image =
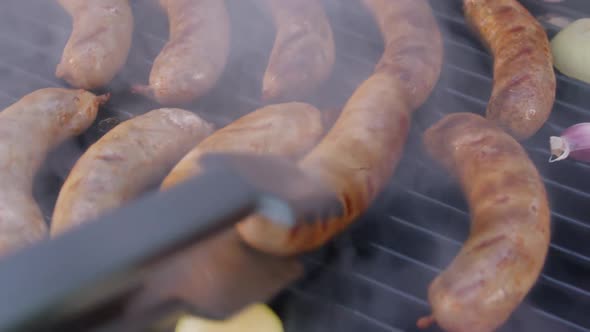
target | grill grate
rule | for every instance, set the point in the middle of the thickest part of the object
(374, 277)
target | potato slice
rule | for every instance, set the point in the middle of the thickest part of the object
(571, 50)
(255, 318)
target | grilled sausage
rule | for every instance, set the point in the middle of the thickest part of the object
(510, 231)
(29, 129)
(205, 272)
(359, 154)
(99, 44)
(303, 54)
(124, 162)
(524, 80)
(194, 58)
(287, 130)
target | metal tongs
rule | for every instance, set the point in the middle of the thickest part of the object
(81, 280)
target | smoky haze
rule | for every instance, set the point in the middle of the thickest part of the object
(375, 276)
(37, 30)
(33, 39)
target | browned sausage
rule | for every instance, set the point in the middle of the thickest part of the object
(125, 162)
(287, 130)
(524, 80)
(358, 156)
(99, 44)
(205, 274)
(28, 130)
(510, 231)
(303, 54)
(194, 58)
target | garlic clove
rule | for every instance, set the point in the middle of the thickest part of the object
(560, 149)
(573, 143)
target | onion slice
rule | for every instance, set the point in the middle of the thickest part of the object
(573, 143)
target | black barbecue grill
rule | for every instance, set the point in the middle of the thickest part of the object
(375, 276)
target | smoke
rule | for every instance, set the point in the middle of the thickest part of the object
(414, 228)
(37, 30)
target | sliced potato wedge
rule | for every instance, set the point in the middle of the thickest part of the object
(255, 318)
(571, 50)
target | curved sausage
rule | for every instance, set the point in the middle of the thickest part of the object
(524, 79)
(194, 58)
(99, 44)
(126, 161)
(303, 54)
(29, 129)
(288, 130)
(204, 274)
(359, 154)
(510, 230)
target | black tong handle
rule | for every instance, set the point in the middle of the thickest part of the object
(58, 279)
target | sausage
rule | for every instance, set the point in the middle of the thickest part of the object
(99, 43)
(194, 58)
(126, 161)
(359, 154)
(29, 129)
(205, 273)
(524, 80)
(288, 130)
(510, 232)
(303, 54)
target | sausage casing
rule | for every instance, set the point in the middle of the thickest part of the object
(287, 130)
(303, 54)
(99, 43)
(414, 48)
(510, 231)
(204, 274)
(194, 58)
(359, 154)
(29, 129)
(524, 80)
(125, 162)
